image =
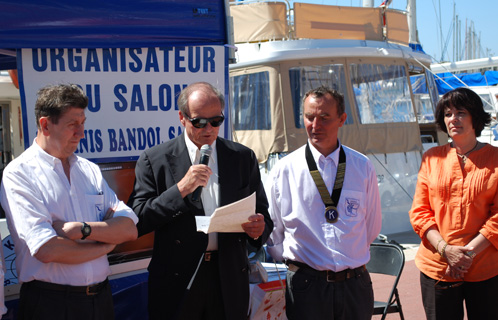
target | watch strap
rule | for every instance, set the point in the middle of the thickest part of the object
(86, 230)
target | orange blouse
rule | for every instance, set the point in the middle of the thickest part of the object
(461, 204)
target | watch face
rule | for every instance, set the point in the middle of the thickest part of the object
(86, 230)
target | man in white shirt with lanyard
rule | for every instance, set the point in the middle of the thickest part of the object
(62, 216)
(324, 203)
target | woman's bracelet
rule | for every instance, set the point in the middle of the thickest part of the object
(437, 245)
(443, 249)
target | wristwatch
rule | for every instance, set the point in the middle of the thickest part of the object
(471, 254)
(85, 230)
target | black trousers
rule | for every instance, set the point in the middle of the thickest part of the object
(40, 303)
(311, 297)
(204, 300)
(446, 299)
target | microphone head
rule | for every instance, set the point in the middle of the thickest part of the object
(206, 150)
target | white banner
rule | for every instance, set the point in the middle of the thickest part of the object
(132, 92)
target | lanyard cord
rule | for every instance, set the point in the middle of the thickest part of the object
(333, 199)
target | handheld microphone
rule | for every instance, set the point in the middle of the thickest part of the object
(205, 154)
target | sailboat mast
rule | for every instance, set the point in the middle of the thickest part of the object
(411, 11)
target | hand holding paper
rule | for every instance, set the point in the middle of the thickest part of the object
(230, 218)
(255, 227)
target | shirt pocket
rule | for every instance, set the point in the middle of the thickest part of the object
(353, 203)
(95, 203)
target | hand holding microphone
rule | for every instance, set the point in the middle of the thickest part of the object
(196, 176)
(204, 159)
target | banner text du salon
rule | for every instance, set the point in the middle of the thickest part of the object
(132, 92)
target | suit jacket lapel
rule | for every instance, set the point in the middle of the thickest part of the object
(225, 172)
(179, 159)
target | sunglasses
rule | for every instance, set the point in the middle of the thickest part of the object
(202, 122)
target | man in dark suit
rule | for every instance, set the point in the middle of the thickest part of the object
(193, 275)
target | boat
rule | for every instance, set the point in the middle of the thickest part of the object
(367, 53)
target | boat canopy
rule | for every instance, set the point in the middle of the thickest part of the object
(108, 24)
(269, 21)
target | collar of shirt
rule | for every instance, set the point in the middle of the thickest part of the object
(53, 161)
(194, 152)
(318, 157)
(327, 166)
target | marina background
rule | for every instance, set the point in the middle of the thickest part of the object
(435, 24)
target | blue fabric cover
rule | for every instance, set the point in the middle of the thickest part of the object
(109, 24)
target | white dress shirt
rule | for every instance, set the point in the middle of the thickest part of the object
(210, 193)
(301, 232)
(35, 192)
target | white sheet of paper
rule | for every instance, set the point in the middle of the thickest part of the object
(228, 218)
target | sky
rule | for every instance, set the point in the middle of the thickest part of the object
(435, 19)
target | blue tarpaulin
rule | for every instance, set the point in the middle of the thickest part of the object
(109, 24)
(452, 81)
(416, 47)
(448, 81)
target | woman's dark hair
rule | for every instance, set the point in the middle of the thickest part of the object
(463, 99)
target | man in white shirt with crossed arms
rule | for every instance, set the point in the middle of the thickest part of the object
(62, 216)
(324, 237)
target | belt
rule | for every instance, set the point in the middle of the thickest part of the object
(210, 255)
(328, 275)
(88, 290)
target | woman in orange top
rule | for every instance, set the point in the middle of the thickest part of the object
(455, 213)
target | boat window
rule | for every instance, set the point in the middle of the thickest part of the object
(486, 101)
(306, 78)
(423, 105)
(432, 88)
(250, 101)
(382, 93)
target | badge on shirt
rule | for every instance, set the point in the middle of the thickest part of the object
(99, 207)
(352, 206)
